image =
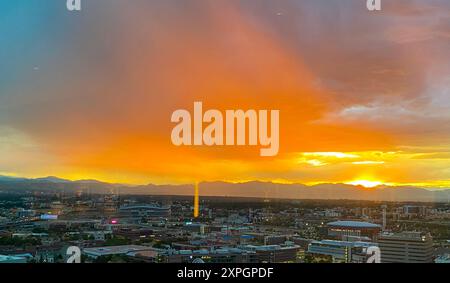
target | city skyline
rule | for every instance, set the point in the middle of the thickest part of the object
(363, 96)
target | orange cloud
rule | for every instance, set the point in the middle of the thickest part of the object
(100, 107)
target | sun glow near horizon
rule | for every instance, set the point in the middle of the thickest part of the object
(366, 183)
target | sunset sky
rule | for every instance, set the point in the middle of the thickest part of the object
(364, 97)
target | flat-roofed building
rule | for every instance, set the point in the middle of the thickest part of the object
(222, 255)
(443, 259)
(147, 256)
(113, 250)
(344, 230)
(275, 253)
(341, 251)
(406, 247)
(150, 210)
(12, 259)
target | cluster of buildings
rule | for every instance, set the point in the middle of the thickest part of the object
(353, 238)
(241, 254)
(131, 229)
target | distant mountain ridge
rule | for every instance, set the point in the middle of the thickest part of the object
(224, 189)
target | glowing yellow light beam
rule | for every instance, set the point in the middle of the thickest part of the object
(196, 201)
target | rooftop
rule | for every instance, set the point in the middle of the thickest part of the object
(12, 259)
(414, 236)
(344, 243)
(354, 224)
(102, 251)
